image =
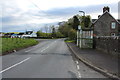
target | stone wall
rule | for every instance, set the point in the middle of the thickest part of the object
(108, 44)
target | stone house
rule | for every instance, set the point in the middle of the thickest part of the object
(106, 32)
(106, 24)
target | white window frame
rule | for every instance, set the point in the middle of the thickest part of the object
(113, 25)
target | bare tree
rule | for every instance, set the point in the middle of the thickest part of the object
(46, 28)
(50, 29)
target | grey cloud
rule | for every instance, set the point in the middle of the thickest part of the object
(8, 19)
(87, 9)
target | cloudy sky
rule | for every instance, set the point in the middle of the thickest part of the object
(21, 15)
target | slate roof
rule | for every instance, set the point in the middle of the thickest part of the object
(106, 12)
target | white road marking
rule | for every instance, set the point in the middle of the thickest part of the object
(47, 46)
(76, 62)
(45, 49)
(14, 65)
(78, 67)
(27, 50)
(79, 75)
(42, 50)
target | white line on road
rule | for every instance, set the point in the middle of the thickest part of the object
(76, 62)
(14, 65)
(42, 50)
(78, 67)
(45, 49)
(79, 75)
(47, 46)
(27, 50)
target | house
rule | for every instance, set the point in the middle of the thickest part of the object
(106, 24)
(20, 34)
(14, 35)
(8, 35)
(1, 34)
(27, 34)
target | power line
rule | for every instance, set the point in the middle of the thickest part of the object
(39, 8)
(36, 5)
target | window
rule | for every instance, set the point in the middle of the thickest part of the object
(112, 34)
(113, 25)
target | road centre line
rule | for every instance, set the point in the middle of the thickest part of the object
(15, 65)
(44, 49)
(41, 50)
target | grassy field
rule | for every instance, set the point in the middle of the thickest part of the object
(10, 44)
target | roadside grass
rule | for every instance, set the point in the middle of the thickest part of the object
(9, 44)
(68, 40)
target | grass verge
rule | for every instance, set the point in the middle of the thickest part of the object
(8, 45)
(68, 40)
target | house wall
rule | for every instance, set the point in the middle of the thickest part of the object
(103, 26)
(110, 45)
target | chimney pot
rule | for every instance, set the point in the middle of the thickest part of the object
(106, 9)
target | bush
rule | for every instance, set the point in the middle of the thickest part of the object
(72, 34)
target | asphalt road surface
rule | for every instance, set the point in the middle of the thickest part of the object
(48, 59)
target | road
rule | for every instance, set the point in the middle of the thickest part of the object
(49, 59)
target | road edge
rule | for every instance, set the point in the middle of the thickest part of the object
(104, 72)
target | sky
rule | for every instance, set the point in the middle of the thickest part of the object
(21, 15)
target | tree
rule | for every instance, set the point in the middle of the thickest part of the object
(59, 35)
(46, 29)
(68, 28)
(53, 31)
(76, 22)
(85, 21)
(72, 34)
(38, 33)
(50, 29)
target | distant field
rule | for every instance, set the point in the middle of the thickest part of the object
(10, 44)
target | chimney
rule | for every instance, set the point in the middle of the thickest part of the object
(106, 9)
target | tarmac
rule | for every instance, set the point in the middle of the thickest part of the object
(100, 61)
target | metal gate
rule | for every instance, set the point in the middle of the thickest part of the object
(85, 38)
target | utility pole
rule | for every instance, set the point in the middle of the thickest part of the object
(79, 33)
